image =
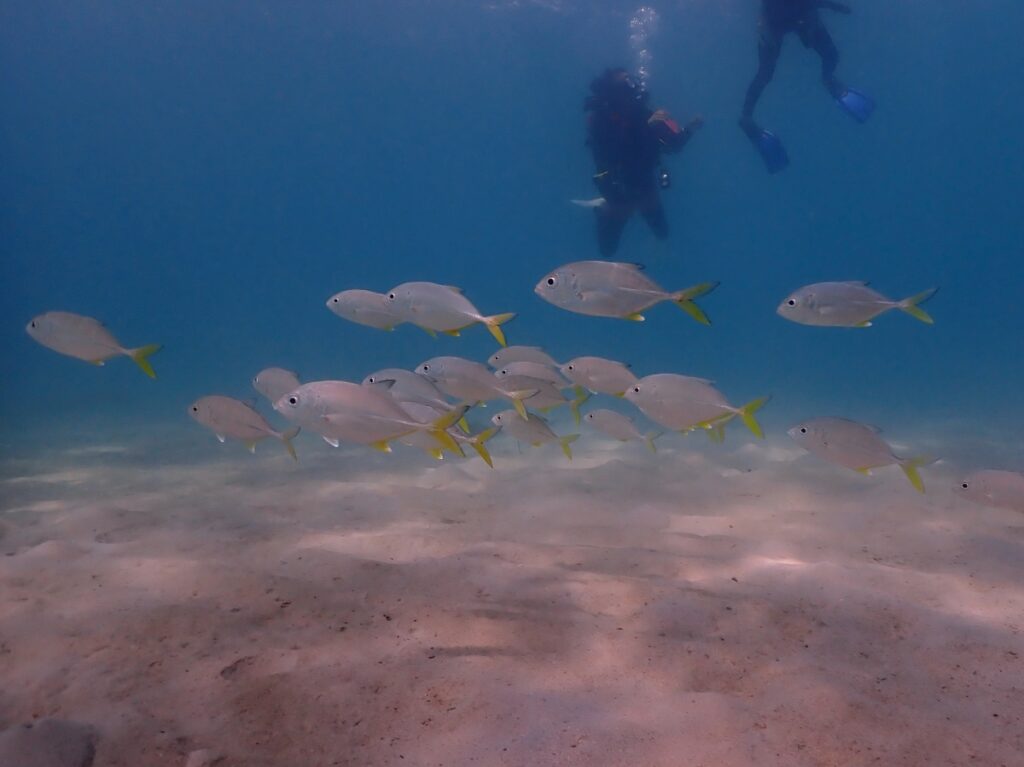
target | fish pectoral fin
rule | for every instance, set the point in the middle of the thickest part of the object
(331, 441)
(452, 333)
(97, 363)
(251, 446)
(381, 445)
(865, 324)
(635, 317)
(222, 438)
(428, 331)
(866, 471)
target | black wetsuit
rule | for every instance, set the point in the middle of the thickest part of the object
(778, 18)
(627, 146)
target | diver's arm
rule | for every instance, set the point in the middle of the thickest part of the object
(838, 7)
(670, 136)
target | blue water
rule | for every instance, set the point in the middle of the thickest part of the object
(204, 175)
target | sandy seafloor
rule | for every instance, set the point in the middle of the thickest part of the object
(714, 606)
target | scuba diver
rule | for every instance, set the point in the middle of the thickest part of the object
(627, 139)
(778, 18)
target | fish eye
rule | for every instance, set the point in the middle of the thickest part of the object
(196, 410)
(293, 400)
(391, 296)
(33, 323)
(334, 300)
(571, 367)
(963, 485)
(426, 368)
(371, 379)
(803, 429)
(551, 281)
(636, 389)
(791, 302)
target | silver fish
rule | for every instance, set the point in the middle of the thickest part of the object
(228, 417)
(533, 429)
(351, 412)
(470, 381)
(853, 445)
(86, 339)
(535, 370)
(274, 383)
(684, 403)
(520, 354)
(617, 426)
(442, 309)
(614, 289)
(999, 489)
(599, 375)
(365, 307)
(847, 305)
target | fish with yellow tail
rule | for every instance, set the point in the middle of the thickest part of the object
(84, 338)
(854, 446)
(847, 305)
(227, 418)
(615, 289)
(442, 309)
(684, 403)
(533, 430)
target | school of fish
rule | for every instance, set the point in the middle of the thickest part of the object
(426, 407)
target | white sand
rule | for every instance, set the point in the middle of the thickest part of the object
(707, 606)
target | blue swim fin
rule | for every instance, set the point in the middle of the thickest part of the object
(772, 151)
(856, 104)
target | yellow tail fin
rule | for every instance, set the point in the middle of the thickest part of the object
(684, 300)
(649, 438)
(565, 442)
(141, 356)
(910, 467)
(574, 405)
(520, 408)
(910, 306)
(478, 444)
(439, 429)
(287, 438)
(494, 324)
(747, 414)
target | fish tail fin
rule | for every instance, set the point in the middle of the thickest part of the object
(478, 443)
(565, 442)
(438, 429)
(910, 306)
(747, 414)
(910, 467)
(684, 300)
(287, 438)
(574, 404)
(141, 357)
(520, 408)
(649, 438)
(494, 323)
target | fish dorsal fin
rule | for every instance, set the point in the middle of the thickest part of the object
(331, 441)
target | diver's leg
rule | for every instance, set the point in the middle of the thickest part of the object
(769, 46)
(815, 36)
(610, 220)
(654, 214)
